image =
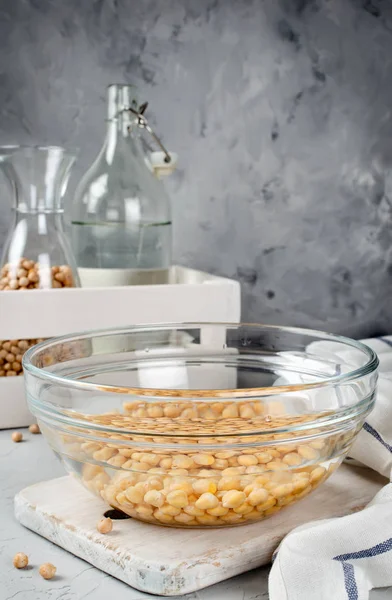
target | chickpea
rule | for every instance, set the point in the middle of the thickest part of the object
(203, 459)
(17, 436)
(20, 560)
(317, 474)
(233, 498)
(207, 500)
(218, 511)
(204, 485)
(154, 498)
(47, 571)
(134, 495)
(247, 461)
(59, 277)
(168, 509)
(207, 520)
(243, 509)
(308, 452)
(292, 459)
(177, 498)
(257, 497)
(183, 462)
(27, 264)
(192, 510)
(144, 511)
(185, 519)
(162, 517)
(105, 525)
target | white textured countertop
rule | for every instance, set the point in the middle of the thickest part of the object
(32, 461)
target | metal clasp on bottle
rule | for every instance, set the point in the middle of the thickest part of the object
(144, 124)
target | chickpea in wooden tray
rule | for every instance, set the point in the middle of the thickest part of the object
(11, 353)
(216, 479)
(27, 275)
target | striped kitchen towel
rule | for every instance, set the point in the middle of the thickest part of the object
(343, 559)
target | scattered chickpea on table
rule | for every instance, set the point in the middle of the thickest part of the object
(34, 428)
(21, 560)
(47, 571)
(17, 436)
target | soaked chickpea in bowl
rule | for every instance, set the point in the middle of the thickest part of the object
(201, 425)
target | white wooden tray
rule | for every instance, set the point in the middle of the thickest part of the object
(169, 562)
(190, 295)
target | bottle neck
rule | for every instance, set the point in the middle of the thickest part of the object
(123, 126)
(119, 99)
(121, 122)
(123, 136)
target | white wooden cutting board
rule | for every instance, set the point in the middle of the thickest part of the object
(167, 561)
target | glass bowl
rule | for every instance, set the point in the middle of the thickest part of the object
(201, 424)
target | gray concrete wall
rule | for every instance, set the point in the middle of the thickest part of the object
(280, 111)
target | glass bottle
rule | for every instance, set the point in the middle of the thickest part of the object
(36, 254)
(121, 220)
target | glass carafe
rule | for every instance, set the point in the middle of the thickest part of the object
(36, 254)
(121, 220)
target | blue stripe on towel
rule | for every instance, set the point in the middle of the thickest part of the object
(376, 435)
(349, 581)
(386, 341)
(348, 569)
(381, 548)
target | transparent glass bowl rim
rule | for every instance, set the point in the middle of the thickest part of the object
(192, 394)
(56, 416)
